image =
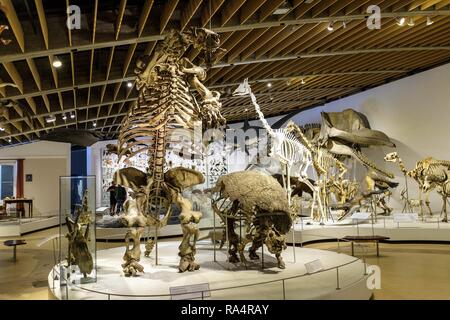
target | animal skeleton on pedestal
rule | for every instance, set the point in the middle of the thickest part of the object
(166, 103)
(323, 162)
(284, 147)
(436, 171)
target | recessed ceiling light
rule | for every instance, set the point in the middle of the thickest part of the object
(129, 84)
(429, 21)
(401, 21)
(330, 26)
(56, 62)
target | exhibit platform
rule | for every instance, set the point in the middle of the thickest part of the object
(422, 230)
(17, 227)
(332, 276)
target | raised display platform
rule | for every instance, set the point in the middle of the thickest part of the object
(225, 280)
(15, 228)
(430, 229)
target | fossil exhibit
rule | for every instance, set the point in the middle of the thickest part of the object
(261, 203)
(166, 103)
(78, 253)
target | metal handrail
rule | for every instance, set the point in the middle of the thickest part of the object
(227, 288)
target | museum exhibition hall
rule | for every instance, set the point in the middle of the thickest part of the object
(224, 150)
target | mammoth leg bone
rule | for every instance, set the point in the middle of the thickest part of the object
(261, 230)
(132, 256)
(233, 240)
(189, 220)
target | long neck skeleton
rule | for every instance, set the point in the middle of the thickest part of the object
(285, 146)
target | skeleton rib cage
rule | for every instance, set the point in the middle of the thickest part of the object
(161, 107)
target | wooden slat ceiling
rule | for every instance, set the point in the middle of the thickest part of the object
(305, 64)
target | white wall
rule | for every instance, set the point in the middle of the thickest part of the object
(46, 161)
(414, 112)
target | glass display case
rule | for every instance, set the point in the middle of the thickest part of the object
(77, 244)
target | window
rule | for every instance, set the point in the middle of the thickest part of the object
(7, 179)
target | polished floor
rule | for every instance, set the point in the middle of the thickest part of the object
(408, 271)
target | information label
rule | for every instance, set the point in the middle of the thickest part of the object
(314, 266)
(361, 215)
(406, 217)
(193, 291)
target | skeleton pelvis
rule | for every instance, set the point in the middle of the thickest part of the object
(159, 209)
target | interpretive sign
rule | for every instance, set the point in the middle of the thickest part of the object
(193, 291)
(314, 266)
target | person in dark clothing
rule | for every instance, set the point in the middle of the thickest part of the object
(121, 196)
(112, 198)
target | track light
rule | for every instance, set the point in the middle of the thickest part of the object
(303, 81)
(269, 85)
(56, 62)
(50, 119)
(429, 21)
(64, 117)
(330, 26)
(129, 84)
(411, 22)
(344, 24)
(401, 21)
(94, 124)
(9, 140)
(72, 116)
(2, 129)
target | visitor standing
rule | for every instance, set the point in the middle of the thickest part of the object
(121, 196)
(112, 198)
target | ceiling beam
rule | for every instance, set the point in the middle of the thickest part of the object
(118, 25)
(331, 74)
(144, 15)
(328, 54)
(134, 39)
(42, 21)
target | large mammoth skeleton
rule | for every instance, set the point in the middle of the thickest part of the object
(261, 202)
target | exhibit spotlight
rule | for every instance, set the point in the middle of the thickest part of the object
(269, 85)
(303, 81)
(50, 119)
(64, 117)
(330, 26)
(72, 116)
(129, 84)
(94, 124)
(401, 21)
(56, 62)
(2, 129)
(429, 21)
(411, 22)
(9, 140)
